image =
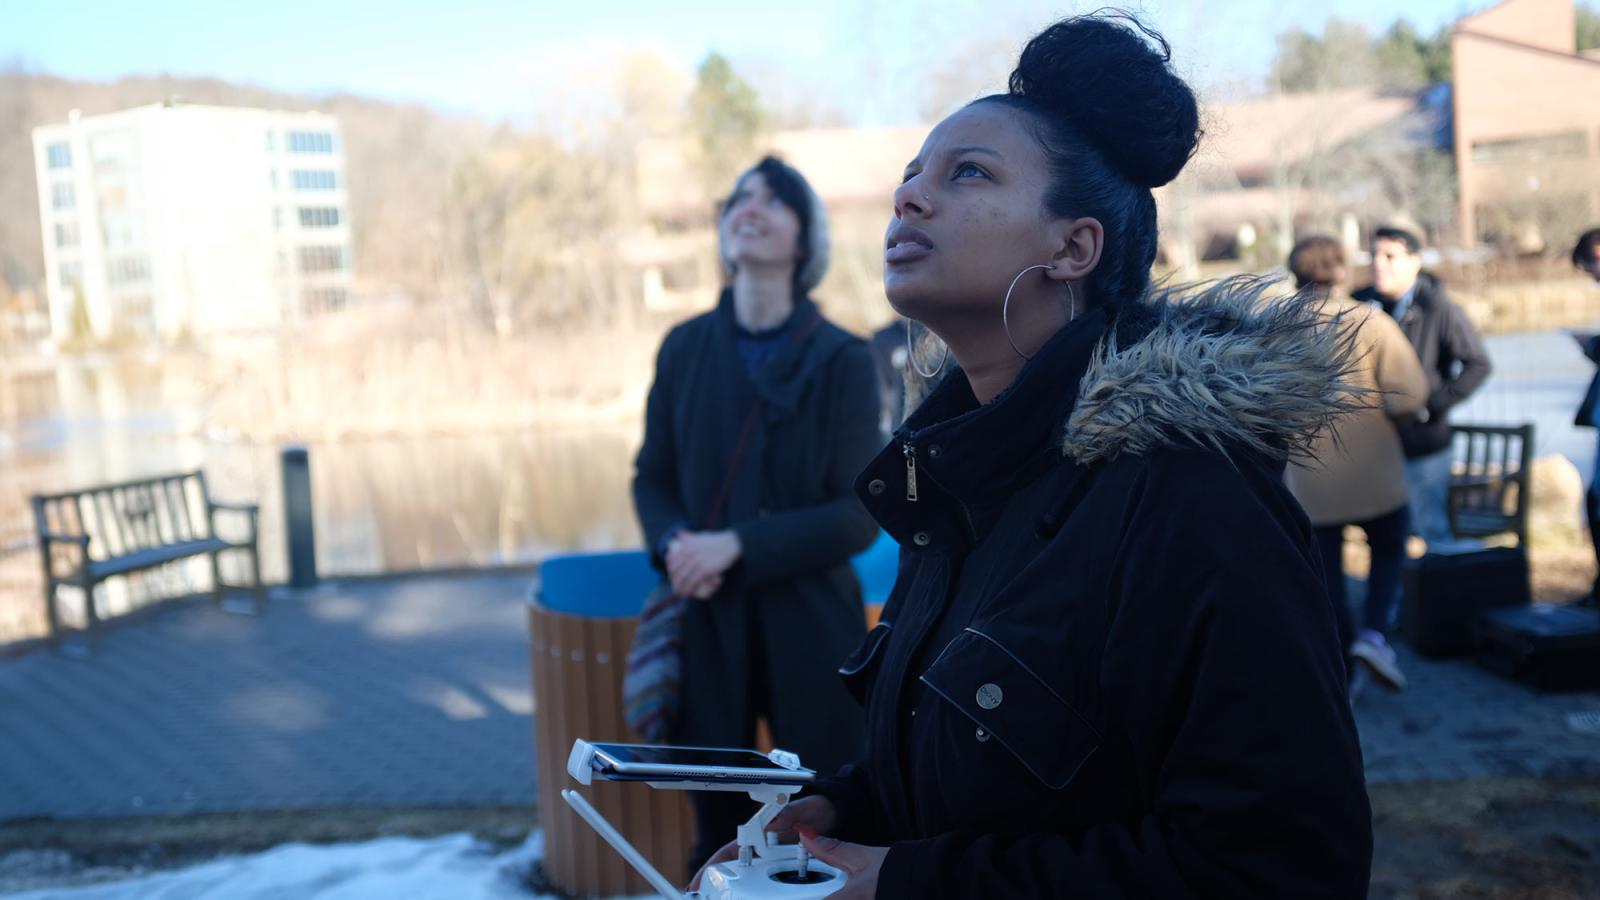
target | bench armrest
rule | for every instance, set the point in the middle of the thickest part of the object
(252, 515)
(217, 505)
(50, 537)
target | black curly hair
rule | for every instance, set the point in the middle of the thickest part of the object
(1114, 122)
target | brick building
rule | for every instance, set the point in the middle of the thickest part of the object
(1527, 126)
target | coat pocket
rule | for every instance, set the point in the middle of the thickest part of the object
(861, 667)
(1013, 706)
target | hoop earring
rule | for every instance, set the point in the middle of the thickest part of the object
(911, 356)
(1005, 308)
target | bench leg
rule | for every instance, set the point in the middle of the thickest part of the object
(91, 624)
(216, 579)
(260, 590)
(52, 615)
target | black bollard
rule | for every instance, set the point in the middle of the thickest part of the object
(299, 536)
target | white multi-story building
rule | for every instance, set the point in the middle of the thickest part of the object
(177, 219)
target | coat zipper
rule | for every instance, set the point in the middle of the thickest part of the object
(911, 471)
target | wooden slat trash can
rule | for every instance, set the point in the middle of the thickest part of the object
(581, 618)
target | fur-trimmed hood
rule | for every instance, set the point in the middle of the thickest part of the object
(1233, 364)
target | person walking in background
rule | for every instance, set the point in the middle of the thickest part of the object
(1586, 257)
(765, 552)
(1453, 358)
(1355, 473)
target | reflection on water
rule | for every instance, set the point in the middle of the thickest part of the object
(382, 504)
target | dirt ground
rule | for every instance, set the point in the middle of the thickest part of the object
(1488, 839)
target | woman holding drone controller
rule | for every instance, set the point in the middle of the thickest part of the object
(1109, 667)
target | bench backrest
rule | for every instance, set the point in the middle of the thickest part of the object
(122, 518)
(1489, 484)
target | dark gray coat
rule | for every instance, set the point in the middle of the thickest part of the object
(1452, 356)
(791, 609)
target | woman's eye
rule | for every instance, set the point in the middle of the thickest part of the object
(969, 170)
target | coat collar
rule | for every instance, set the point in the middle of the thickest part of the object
(1232, 367)
(970, 458)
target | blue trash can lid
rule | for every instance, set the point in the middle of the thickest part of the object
(597, 585)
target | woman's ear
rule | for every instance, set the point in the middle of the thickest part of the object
(1078, 254)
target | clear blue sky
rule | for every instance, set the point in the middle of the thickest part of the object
(496, 58)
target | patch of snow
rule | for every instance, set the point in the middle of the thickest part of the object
(455, 866)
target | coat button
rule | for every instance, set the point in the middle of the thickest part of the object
(920, 539)
(982, 735)
(934, 451)
(875, 486)
(990, 695)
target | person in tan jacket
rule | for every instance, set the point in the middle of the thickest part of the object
(1356, 474)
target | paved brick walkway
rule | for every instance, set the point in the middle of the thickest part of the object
(409, 692)
(415, 692)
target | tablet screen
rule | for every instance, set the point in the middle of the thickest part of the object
(635, 758)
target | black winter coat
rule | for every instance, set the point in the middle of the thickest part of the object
(1109, 667)
(791, 608)
(1452, 355)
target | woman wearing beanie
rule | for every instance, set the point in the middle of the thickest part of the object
(1108, 667)
(765, 386)
(1355, 473)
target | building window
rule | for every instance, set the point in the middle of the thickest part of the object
(136, 314)
(272, 178)
(67, 234)
(277, 217)
(71, 275)
(310, 142)
(1566, 145)
(128, 270)
(62, 196)
(272, 142)
(321, 259)
(319, 217)
(60, 155)
(314, 180)
(319, 300)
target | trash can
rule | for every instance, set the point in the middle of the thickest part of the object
(876, 568)
(581, 618)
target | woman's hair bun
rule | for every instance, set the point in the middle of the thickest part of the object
(1111, 78)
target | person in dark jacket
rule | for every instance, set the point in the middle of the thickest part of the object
(1109, 667)
(779, 605)
(1586, 257)
(1452, 356)
(889, 351)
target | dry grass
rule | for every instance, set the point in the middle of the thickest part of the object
(366, 376)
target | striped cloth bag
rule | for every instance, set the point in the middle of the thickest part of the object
(652, 686)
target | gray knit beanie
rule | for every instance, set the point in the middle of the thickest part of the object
(793, 189)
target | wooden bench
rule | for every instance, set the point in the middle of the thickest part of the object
(89, 535)
(1489, 484)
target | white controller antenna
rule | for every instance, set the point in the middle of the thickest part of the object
(620, 844)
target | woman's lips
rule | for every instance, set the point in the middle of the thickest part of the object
(908, 251)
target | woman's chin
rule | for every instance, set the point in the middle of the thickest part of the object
(907, 294)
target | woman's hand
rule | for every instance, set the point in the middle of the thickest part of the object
(814, 813)
(696, 561)
(859, 863)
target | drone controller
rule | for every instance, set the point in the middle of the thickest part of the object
(765, 868)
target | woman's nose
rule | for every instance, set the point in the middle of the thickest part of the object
(909, 198)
